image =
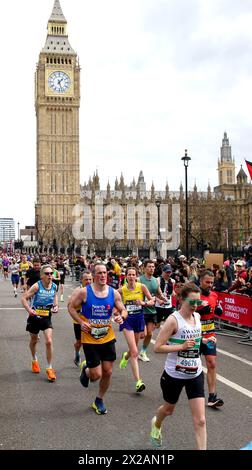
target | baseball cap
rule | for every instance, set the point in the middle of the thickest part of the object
(240, 263)
(167, 268)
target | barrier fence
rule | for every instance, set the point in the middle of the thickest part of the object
(237, 315)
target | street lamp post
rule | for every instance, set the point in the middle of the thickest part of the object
(158, 204)
(186, 160)
(18, 232)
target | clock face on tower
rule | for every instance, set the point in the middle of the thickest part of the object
(59, 82)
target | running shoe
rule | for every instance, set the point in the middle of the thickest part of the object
(143, 357)
(99, 406)
(62, 298)
(84, 380)
(155, 434)
(77, 360)
(124, 361)
(35, 367)
(214, 402)
(51, 374)
(140, 387)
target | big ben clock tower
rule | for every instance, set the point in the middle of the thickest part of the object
(57, 103)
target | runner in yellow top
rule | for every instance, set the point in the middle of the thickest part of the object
(133, 294)
(24, 265)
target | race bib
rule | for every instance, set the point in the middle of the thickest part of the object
(42, 312)
(208, 327)
(98, 333)
(24, 273)
(168, 303)
(187, 361)
(133, 308)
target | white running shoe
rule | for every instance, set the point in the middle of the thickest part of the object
(143, 357)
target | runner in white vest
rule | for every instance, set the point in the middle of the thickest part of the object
(180, 337)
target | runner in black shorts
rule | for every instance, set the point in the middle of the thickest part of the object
(62, 271)
(164, 308)
(97, 302)
(44, 302)
(180, 337)
(87, 279)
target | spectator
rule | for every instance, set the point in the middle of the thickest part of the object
(248, 253)
(241, 277)
(220, 281)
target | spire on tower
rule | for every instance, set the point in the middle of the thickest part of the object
(57, 14)
(57, 38)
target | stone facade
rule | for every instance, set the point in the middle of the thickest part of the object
(57, 102)
(220, 219)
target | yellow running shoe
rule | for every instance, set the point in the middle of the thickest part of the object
(124, 361)
(140, 386)
(155, 434)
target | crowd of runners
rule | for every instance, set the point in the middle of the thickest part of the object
(175, 296)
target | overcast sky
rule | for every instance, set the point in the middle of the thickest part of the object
(158, 76)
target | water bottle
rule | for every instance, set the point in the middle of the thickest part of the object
(210, 344)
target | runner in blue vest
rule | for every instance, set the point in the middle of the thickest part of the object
(44, 302)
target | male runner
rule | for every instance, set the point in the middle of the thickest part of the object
(14, 270)
(150, 313)
(208, 350)
(44, 303)
(165, 308)
(86, 280)
(97, 336)
(33, 274)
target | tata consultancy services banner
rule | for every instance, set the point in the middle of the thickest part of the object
(236, 308)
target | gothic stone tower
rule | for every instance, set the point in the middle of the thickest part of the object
(226, 164)
(57, 103)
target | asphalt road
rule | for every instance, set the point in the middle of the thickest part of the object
(36, 414)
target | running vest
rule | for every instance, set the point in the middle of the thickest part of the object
(185, 364)
(152, 286)
(42, 301)
(97, 312)
(24, 268)
(207, 320)
(167, 289)
(129, 298)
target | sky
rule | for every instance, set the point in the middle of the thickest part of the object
(157, 77)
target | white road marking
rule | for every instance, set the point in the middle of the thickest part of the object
(225, 353)
(227, 382)
(233, 385)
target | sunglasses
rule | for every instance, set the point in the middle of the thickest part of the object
(193, 302)
(48, 273)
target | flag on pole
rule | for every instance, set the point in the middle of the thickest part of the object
(249, 166)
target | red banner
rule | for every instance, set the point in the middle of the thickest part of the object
(236, 308)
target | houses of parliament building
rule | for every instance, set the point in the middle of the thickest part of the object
(219, 218)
